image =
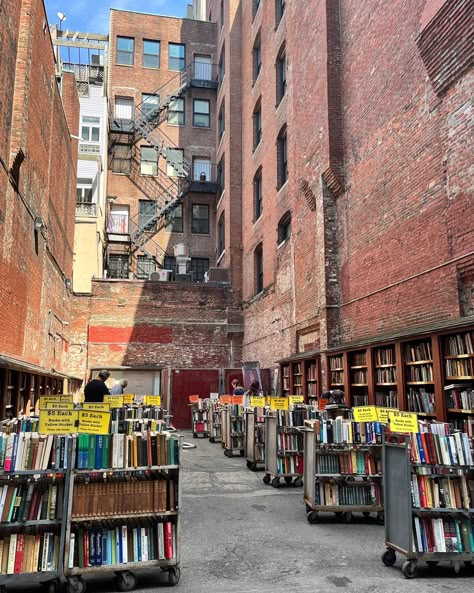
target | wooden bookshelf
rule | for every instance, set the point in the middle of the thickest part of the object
(336, 371)
(297, 374)
(419, 376)
(359, 373)
(285, 379)
(301, 376)
(312, 379)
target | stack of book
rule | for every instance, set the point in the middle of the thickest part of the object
(335, 493)
(290, 464)
(443, 535)
(20, 424)
(441, 491)
(349, 463)
(421, 400)
(28, 553)
(289, 442)
(39, 500)
(460, 397)
(434, 445)
(137, 418)
(346, 431)
(31, 451)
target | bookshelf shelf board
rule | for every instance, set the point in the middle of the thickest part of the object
(461, 378)
(385, 366)
(311, 380)
(287, 475)
(346, 446)
(338, 369)
(111, 470)
(33, 472)
(436, 510)
(419, 362)
(40, 523)
(341, 508)
(420, 382)
(459, 411)
(337, 384)
(384, 384)
(99, 518)
(27, 576)
(358, 384)
(348, 475)
(456, 356)
(441, 466)
(360, 366)
(426, 414)
(116, 567)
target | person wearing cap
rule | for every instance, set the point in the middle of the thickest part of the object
(96, 389)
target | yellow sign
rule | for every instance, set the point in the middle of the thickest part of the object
(279, 403)
(96, 407)
(92, 422)
(55, 399)
(296, 399)
(128, 398)
(257, 402)
(58, 406)
(115, 401)
(365, 414)
(382, 414)
(403, 421)
(153, 400)
(58, 421)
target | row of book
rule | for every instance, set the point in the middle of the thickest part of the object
(118, 451)
(460, 368)
(296, 416)
(337, 377)
(459, 344)
(433, 492)
(417, 352)
(22, 424)
(360, 400)
(387, 400)
(290, 442)
(386, 375)
(31, 451)
(342, 430)
(236, 410)
(336, 362)
(460, 397)
(439, 449)
(106, 498)
(28, 553)
(465, 424)
(200, 427)
(290, 464)
(237, 441)
(38, 500)
(349, 462)
(359, 376)
(359, 359)
(335, 493)
(420, 400)
(443, 535)
(122, 545)
(420, 373)
(384, 356)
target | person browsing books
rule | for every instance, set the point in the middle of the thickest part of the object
(96, 389)
(119, 387)
(237, 388)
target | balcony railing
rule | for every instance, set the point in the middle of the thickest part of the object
(86, 209)
(87, 148)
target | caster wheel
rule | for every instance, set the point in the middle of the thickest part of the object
(298, 482)
(366, 514)
(126, 581)
(75, 585)
(174, 575)
(195, 436)
(409, 569)
(276, 482)
(457, 567)
(212, 440)
(242, 453)
(339, 515)
(312, 517)
(389, 557)
(347, 517)
(380, 519)
(288, 479)
(467, 563)
(432, 563)
(266, 479)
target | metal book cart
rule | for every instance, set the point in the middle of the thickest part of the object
(276, 457)
(200, 419)
(233, 430)
(215, 426)
(312, 479)
(50, 580)
(125, 573)
(399, 511)
(254, 440)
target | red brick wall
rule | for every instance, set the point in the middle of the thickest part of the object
(34, 300)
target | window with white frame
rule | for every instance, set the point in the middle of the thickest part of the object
(84, 190)
(201, 113)
(124, 107)
(174, 162)
(90, 129)
(150, 104)
(176, 112)
(148, 161)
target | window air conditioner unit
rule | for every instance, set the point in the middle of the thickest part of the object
(160, 276)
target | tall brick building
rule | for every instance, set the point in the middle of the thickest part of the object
(38, 113)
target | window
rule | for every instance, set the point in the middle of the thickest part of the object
(199, 266)
(221, 176)
(282, 163)
(279, 10)
(257, 58)
(148, 161)
(170, 263)
(200, 219)
(117, 222)
(221, 235)
(201, 113)
(258, 261)
(122, 159)
(176, 56)
(257, 194)
(257, 125)
(145, 266)
(151, 54)
(221, 121)
(125, 51)
(202, 67)
(201, 169)
(281, 75)
(174, 162)
(284, 227)
(90, 128)
(222, 65)
(256, 4)
(222, 13)
(147, 215)
(84, 190)
(124, 107)
(150, 104)
(118, 266)
(176, 112)
(175, 221)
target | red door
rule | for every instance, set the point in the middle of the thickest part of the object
(190, 382)
(229, 376)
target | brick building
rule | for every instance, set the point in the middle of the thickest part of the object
(38, 113)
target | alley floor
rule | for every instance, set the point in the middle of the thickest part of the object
(240, 536)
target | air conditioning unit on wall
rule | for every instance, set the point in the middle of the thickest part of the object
(161, 276)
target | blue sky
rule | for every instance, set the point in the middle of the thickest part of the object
(93, 15)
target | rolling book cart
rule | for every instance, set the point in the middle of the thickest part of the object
(215, 422)
(255, 438)
(234, 430)
(342, 469)
(200, 418)
(429, 498)
(123, 513)
(33, 496)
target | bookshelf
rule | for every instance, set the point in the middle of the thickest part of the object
(200, 418)
(234, 434)
(300, 375)
(420, 377)
(298, 385)
(215, 433)
(342, 469)
(359, 378)
(336, 371)
(386, 376)
(285, 379)
(429, 508)
(312, 383)
(255, 438)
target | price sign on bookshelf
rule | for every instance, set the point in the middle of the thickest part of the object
(58, 421)
(153, 400)
(55, 399)
(95, 406)
(279, 403)
(58, 406)
(296, 399)
(403, 421)
(214, 396)
(382, 414)
(115, 401)
(92, 422)
(226, 399)
(193, 399)
(257, 402)
(237, 400)
(128, 398)
(365, 414)
(322, 403)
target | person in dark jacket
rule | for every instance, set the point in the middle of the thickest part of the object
(96, 389)
(237, 388)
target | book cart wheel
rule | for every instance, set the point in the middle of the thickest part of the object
(242, 452)
(276, 482)
(174, 575)
(212, 440)
(251, 465)
(389, 557)
(3, 589)
(432, 563)
(366, 514)
(457, 567)
(380, 519)
(313, 517)
(288, 479)
(409, 569)
(266, 479)
(195, 436)
(298, 482)
(126, 581)
(52, 587)
(75, 585)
